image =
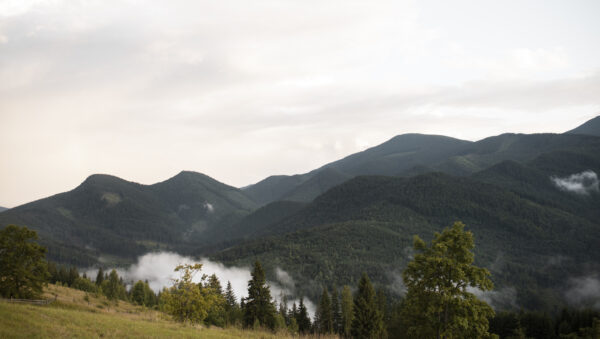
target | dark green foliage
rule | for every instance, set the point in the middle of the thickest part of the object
(142, 294)
(302, 318)
(233, 313)
(368, 320)
(100, 277)
(23, 270)
(569, 323)
(336, 311)
(113, 288)
(347, 311)
(258, 305)
(110, 216)
(324, 315)
(365, 223)
(438, 302)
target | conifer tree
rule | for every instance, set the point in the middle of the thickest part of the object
(335, 311)
(259, 306)
(347, 311)
(232, 308)
(23, 270)
(368, 321)
(324, 316)
(302, 318)
(100, 277)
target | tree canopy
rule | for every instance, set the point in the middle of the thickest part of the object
(23, 270)
(258, 306)
(438, 303)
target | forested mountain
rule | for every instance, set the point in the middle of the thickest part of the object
(118, 220)
(591, 127)
(367, 223)
(412, 154)
(531, 201)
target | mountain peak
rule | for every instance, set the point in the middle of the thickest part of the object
(590, 127)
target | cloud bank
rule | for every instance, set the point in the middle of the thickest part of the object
(579, 183)
(158, 269)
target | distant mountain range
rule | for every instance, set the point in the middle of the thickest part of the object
(3, 208)
(531, 201)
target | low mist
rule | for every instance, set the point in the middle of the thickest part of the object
(579, 183)
(158, 269)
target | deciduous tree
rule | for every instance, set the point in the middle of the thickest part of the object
(438, 303)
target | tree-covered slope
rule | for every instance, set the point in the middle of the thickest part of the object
(118, 220)
(367, 223)
(590, 127)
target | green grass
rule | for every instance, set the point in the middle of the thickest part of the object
(70, 316)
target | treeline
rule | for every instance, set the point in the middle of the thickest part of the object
(569, 323)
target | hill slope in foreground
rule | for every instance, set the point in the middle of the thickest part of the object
(72, 316)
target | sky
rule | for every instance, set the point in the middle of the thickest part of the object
(242, 90)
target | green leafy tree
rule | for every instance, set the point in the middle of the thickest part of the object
(347, 311)
(437, 303)
(184, 300)
(368, 320)
(259, 305)
(324, 316)
(23, 270)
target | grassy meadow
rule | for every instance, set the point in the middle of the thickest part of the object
(76, 314)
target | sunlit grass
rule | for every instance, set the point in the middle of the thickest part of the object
(72, 316)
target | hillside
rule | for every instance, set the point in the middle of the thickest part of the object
(119, 220)
(590, 127)
(2, 209)
(367, 223)
(413, 154)
(72, 316)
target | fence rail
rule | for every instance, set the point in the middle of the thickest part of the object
(29, 301)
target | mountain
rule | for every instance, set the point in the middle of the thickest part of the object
(401, 153)
(3, 209)
(591, 127)
(116, 220)
(367, 224)
(413, 154)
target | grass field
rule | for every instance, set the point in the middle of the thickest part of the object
(72, 316)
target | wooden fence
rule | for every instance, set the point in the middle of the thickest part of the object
(29, 301)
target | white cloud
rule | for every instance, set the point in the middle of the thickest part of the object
(579, 183)
(158, 269)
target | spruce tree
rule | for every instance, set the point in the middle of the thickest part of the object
(100, 277)
(335, 311)
(368, 321)
(302, 318)
(259, 306)
(347, 311)
(324, 316)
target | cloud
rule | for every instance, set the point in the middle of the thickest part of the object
(158, 269)
(504, 298)
(584, 291)
(579, 183)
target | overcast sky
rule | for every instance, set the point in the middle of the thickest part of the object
(240, 90)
